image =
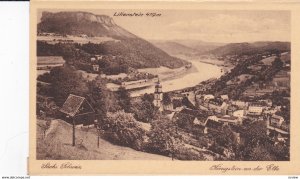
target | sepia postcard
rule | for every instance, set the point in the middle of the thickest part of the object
(171, 88)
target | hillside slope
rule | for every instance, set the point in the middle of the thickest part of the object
(199, 45)
(57, 145)
(251, 48)
(77, 23)
(185, 47)
(133, 51)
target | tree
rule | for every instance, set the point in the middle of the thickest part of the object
(185, 121)
(255, 136)
(121, 128)
(98, 97)
(124, 99)
(66, 81)
(102, 101)
(148, 97)
(164, 137)
(280, 151)
(166, 99)
(144, 110)
(260, 153)
(177, 103)
(112, 103)
(277, 63)
(225, 137)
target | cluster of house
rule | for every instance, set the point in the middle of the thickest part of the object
(237, 58)
(205, 111)
(94, 61)
(281, 82)
(221, 111)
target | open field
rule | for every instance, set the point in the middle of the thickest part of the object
(74, 39)
(268, 60)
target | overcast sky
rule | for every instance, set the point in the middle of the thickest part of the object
(213, 26)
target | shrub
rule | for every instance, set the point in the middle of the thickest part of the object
(121, 128)
(163, 137)
(144, 110)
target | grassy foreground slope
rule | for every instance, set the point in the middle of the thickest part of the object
(57, 145)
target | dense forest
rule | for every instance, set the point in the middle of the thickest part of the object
(129, 53)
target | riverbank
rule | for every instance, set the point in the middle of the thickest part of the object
(165, 73)
(176, 75)
(172, 79)
(222, 64)
(199, 72)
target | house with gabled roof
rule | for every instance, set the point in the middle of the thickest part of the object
(217, 106)
(240, 104)
(78, 110)
(278, 128)
(256, 109)
(226, 119)
(189, 119)
(212, 125)
(276, 120)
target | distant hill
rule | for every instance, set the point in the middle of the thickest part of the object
(199, 45)
(251, 48)
(185, 47)
(173, 48)
(135, 52)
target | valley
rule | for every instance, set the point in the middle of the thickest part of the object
(176, 99)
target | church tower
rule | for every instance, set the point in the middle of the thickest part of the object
(158, 96)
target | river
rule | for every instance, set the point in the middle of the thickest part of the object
(204, 72)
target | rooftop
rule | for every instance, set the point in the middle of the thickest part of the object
(227, 117)
(216, 101)
(195, 113)
(213, 124)
(277, 117)
(72, 105)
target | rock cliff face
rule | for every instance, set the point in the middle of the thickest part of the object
(77, 23)
(133, 51)
(79, 16)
